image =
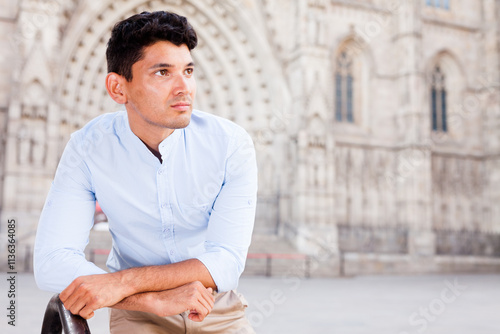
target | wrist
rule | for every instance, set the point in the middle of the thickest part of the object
(147, 302)
(126, 283)
(161, 303)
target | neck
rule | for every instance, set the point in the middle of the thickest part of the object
(155, 151)
(150, 134)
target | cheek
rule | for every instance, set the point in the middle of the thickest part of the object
(151, 95)
(193, 88)
(149, 99)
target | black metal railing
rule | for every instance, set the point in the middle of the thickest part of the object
(58, 319)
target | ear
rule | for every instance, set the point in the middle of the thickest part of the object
(115, 87)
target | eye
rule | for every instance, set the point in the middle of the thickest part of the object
(189, 71)
(161, 73)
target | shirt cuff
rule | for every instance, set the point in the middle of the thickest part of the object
(223, 267)
(56, 278)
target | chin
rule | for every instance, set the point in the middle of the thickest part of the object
(180, 121)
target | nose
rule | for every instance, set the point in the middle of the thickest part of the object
(182, 85)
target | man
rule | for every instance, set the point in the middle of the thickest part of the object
(178, 187)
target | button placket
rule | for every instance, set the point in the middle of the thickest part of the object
(164, 192)
(166, 213)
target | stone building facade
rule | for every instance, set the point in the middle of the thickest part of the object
(376, 122)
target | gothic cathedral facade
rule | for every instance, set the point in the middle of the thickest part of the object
(376, 122)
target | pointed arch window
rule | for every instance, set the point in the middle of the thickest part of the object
(344, 89)
(438, 101)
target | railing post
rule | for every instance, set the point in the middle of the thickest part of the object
(58, 319)
(27, 259)
(308, 267)
(268, 265)
(341, 263)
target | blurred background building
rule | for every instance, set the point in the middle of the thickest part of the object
(376, 122)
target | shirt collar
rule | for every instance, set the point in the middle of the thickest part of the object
(168, 144)
(165, 147)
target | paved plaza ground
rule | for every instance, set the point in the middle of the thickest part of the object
(444, 304)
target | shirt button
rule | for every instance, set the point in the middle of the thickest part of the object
(171, 252)
(160, 171)
(163, 205)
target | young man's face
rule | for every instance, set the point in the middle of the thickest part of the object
(162, 88)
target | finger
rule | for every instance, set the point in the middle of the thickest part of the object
(77, 307)
(211, 293)
(195, 316)
(206, 303)
(199, 306)
(63, 296)
(202, 309)
(209, 297)
(75, 302)
(87, 317)
(86, 312)
(209, 303)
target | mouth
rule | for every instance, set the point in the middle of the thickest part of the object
(181, 106)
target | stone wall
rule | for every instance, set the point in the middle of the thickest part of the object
(383, 192)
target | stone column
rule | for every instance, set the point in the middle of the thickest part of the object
(489, 94)
(7, 59)
(489, 77)
(312, 222)
(413, 160)
(27, 175)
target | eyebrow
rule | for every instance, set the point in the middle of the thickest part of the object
(165, 65)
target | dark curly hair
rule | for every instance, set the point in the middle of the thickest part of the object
(130, 36)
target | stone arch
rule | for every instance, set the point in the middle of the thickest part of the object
(237, 74)
(456, 88)
(450, 64)
(233, 63)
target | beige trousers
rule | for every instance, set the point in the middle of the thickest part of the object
(227, 316)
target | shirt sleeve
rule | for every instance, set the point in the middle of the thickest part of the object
(65, 223)
(232, 218)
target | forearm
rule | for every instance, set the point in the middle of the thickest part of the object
(193, 297)
(165, 277)
(138, 302)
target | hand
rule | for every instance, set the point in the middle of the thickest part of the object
(89, 293)
(193, 297)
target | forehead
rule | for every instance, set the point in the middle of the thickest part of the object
(165, 52)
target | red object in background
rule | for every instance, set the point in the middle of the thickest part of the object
(97, 207)
(99, 215)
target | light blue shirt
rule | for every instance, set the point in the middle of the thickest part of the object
(198, 203)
